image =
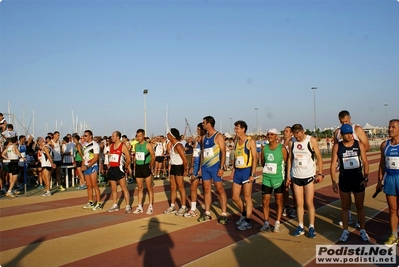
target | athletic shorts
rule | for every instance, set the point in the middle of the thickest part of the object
(241, 175)
(302, 181)
(350, 182)
(211, 173)
(391, 185)
(143, 171)
(267, 190)
(115, 174)
(13, 168)
(159, 159)
(58, 163)
(78, 164)
(177, 170)
(274, 182)
(91, 170)
(47, 168)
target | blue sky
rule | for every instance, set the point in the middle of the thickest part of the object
(198, 58)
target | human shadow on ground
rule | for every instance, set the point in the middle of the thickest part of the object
(158, 254)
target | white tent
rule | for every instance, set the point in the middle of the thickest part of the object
(368, 126)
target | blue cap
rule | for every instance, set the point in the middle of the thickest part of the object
(346, 129)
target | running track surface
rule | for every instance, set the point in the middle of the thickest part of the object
(56, 231)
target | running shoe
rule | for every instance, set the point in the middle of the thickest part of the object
(364, 236)
(392, 241)
(276, 227)
(16, 192)
(285, 211)
(204, 218)
(293, 213)
(79, 187)
(344, 237)
(170, 210)
(265, 228)
(40, 186)
(98, 206)
(89, 205)
(113, 208)
(240, 221)
(312, 232)
(62, 188)
(150, 210)
(244, 226)
(357, 225)
(299, 231)
(190, 213)
(47, 194)
(350, 222)
(82, 187)
(138, 210)
(10, 194)
(223, 220)
(128, 209)
(181, 211)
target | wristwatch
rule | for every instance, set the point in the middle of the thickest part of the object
(366, 179)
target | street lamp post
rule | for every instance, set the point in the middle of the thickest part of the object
(257, 128)
(386, 113)
(314, 107)
(145, 92)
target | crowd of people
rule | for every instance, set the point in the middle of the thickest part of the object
(291, 162)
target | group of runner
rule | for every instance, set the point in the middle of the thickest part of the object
(293, 161)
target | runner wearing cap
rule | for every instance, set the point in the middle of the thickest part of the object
(353, 177)
(274, 156)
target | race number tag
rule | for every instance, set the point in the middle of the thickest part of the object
(392, 163)
(301, 162)
(270, 168)
(239, 161)
(351, 163)
(208, 152)
(196, 152)
(113, 158)
(140, 156)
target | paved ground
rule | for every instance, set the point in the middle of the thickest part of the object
(56, 231)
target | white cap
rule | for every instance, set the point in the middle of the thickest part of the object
(273, 131)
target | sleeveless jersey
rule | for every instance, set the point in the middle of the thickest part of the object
(211, 152)
(56, 151)
(175, 158)
(143, 156)
(303, 165)
(78, 157)
(243, 156)
(349, 158)
(11, 155)
(159, 149)
(22, 150)
(391, 153)
(274, 162)
(44, 161)
(90, 150)
(116, 157)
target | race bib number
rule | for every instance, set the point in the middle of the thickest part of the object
(351, 163)
(301, 162)
(392, 163)
(140, 156)
(196, 152)
(239, 161)
(113, 158)
(208, 152)
(270, 168)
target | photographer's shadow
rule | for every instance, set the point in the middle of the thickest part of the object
(156, 254)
